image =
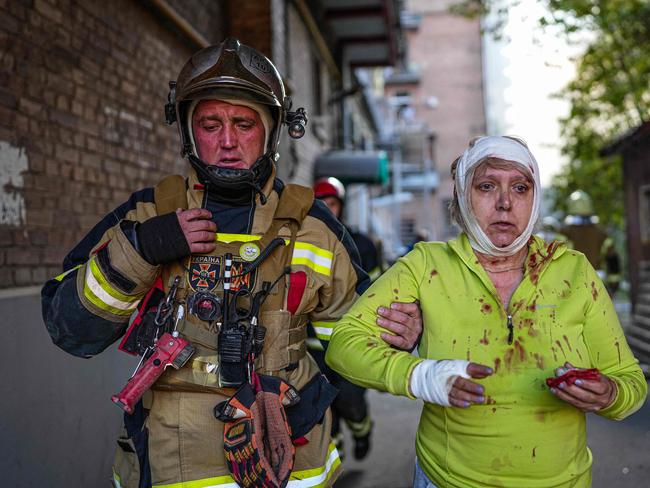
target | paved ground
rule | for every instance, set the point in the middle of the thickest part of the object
(621, 450)
(390, 462)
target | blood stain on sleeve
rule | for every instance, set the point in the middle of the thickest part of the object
(594, 291)
(371, 295)
(433, 274)
(486, 308)
(568, 344)
(539, 359)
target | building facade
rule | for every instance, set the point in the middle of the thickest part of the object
(435, 101)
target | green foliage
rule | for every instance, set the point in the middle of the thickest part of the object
(609, 96)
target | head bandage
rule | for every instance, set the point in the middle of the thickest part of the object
(262, 110)
(508, 150)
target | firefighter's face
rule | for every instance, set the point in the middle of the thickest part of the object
(226, 135)
(502, 201)
(334, 204)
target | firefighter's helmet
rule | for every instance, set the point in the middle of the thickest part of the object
(329, 187)
(550, 224)
(232, 71)
(580, 204)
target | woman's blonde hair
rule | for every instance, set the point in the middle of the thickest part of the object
(454, 209)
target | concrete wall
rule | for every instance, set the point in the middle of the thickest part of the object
(58, 425)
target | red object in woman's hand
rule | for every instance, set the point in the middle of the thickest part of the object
(572, 375)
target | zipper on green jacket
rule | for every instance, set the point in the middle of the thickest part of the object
(511, 331)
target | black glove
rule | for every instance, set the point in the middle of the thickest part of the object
(159, 240)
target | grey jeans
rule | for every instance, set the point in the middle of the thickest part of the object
(420, 479)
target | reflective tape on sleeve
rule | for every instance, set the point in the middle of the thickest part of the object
(103, 295)
(323, 330)
(316, 258)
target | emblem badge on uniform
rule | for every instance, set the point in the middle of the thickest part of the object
(204, 272)
(240, 278)
(249, 251)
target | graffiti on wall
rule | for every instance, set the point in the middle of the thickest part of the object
(13, 161)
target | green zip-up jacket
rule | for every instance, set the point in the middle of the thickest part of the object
(523, 436)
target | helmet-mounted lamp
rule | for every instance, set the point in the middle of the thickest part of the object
(296, 122)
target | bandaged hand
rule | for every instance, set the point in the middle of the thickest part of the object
(447, 382)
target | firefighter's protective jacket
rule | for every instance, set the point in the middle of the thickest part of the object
(88, 306)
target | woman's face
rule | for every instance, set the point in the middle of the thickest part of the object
(502, 201)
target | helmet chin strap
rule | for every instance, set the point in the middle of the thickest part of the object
(228, 185)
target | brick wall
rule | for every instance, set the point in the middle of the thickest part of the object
(82, 89)
(209, 18)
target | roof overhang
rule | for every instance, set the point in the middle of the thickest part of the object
(629, 139)
(366, 32)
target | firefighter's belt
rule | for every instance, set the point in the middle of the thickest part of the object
(257, 437)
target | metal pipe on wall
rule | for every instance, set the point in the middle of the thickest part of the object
(179, 21)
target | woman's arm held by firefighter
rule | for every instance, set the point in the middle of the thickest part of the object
(404, 324)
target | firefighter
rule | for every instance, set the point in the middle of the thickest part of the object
(233, 263)
(332, 192)
(350, 405)
(586, 235)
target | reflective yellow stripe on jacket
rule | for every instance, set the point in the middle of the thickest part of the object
(99, 291)
(308, 478)
(304, 253)
(320, 260)
(323, 330)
